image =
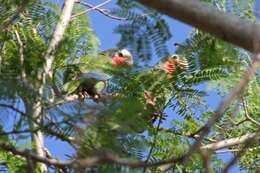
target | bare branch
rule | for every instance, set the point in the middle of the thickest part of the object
(248, 117)
(102, 158)
(230, 142)
(88, 10)
(57, 36)
(12, 108)
(248, 142)
(206, 158)
(28, 154)
(102, 11)
(49, 57)
(21, 52)
(236, 150)
(210, 20)
(62, 100)
(18, 132)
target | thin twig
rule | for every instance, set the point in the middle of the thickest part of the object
(12, 108)
(88, 10)
(105, 12)
(102, 158)
(18, 132)
(21, 53)
(184, 134)
(154, 142)
(248, 117)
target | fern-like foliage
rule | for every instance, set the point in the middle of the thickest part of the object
(117, 122)
(144, 30)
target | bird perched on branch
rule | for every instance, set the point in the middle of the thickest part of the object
(122, 57)
(91, 79)
(159, 92)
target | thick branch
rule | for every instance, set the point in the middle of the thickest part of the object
(247, 143)
(230, 142)
(209, 20)
(101, 158)
(28, 154)
(37, 107)
(57, 36)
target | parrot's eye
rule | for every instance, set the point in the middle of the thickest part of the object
(120, 54)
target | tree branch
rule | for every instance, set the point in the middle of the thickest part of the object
(36, 108)
(154, 142)
(249, 141)
(210, 20)
(101, 158)
(57, 36)
(12, 108)
(102, 11)
(18, 132)
(230, 142)
(236, 91)
(21, 52)
(92, 8)
(248, 117)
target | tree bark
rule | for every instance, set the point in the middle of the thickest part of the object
(37, 106)
(230, 142)
(34, 112)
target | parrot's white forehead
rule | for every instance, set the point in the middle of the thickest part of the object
(174, 56)
(125, 52)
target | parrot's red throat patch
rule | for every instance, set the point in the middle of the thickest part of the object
(118, 60)
(169, 67)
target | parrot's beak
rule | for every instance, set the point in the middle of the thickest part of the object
(118, 60)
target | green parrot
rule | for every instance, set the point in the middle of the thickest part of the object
(89, 78)
(157, 85)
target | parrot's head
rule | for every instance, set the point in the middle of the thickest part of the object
(122, 57)
(170, 63)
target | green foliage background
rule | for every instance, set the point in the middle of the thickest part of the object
(122, 125)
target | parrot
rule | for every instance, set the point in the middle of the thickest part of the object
(158, 93)
(91, 84)
(170, 63)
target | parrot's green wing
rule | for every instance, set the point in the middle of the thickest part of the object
(109, 52)
(71, 86)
